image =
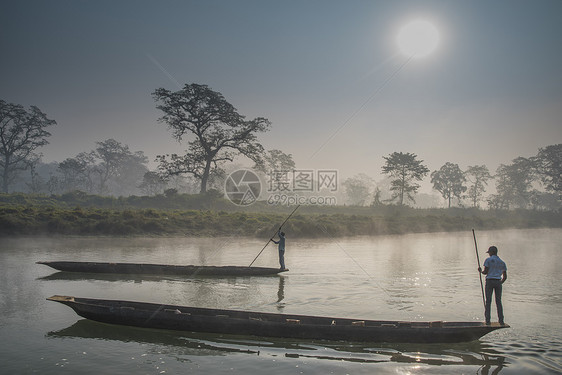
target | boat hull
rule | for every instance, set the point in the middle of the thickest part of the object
(183, 318)
(160, 269)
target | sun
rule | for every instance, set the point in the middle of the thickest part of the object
(418, 38)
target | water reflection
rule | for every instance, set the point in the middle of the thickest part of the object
(77, 276)
(180, 344)
(402, 283)
(281, 293)
(196, 291)
(95, 276)
(485, 370)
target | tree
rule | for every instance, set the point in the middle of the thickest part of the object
(377, 202)
(117, 162)
(153, 184)
(449, 181)
(478, 175)
(77, 172)
(404, 168)
(36, 181)
(358, 189)
(549, 165)
(513, 183)
(275, 160)
(21, 133)
(130, 174)
(218, 131)
(277, 165)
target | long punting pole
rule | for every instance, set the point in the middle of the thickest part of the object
(270, 238)
(478, 260)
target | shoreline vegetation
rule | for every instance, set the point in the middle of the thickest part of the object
(80, 214)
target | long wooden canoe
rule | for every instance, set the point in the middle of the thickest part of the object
(160, 269)
(196, 319)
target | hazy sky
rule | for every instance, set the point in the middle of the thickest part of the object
(327, 74)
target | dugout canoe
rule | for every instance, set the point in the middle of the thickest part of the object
(196, 319)
(160, 269)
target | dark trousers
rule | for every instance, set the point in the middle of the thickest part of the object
(493, 286)
(282, 258)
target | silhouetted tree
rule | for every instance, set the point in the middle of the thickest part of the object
(117, 162)
(21, 133)
(478, 175)
(405, 169)
(77, 173)
(275, 160)
(129, 175)
(514, 183)
(549, 165)
(218, 131)
(449, 181)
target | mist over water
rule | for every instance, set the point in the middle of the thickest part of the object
(407, 277)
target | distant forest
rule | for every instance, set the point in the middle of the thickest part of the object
(218, 135)
(112, 170)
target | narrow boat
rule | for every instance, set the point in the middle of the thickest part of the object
(196, 319)
(160, 269)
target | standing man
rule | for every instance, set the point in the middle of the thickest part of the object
(281, 243)
(496, 274)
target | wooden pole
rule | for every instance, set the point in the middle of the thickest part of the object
(288, 217)
(480, 273)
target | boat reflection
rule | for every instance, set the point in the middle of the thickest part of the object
(180, 344)
(92, 276)
(76, 276)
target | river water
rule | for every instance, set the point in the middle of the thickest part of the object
(406, 277)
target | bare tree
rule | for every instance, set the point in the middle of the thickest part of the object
(21, 133)
(217, 130)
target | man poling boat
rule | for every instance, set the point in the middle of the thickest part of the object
(281, 246)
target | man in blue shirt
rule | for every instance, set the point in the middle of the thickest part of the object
(496, 274)
(281, 243)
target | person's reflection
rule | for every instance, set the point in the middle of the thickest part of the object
(281, 293)
(499, 361)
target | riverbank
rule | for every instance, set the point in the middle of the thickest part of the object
(29, 219)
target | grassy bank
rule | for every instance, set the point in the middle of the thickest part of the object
(51, 217)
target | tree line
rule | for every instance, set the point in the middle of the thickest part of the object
(532, 182)
(215, 134)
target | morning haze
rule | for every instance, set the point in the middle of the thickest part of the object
(251, 186)
(330, 76)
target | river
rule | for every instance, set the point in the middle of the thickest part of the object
(403, 277)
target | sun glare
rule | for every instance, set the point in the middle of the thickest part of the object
(418, 39)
